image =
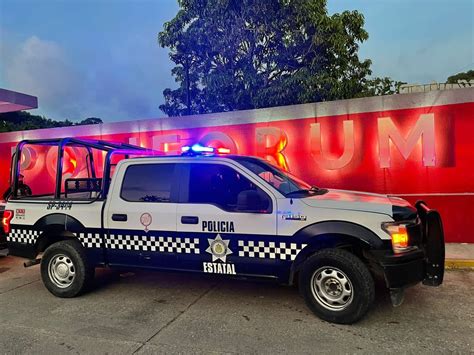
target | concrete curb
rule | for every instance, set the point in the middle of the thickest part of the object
(465, 264)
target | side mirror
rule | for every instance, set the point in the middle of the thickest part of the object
(252, 202)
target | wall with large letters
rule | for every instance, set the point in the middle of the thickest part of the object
(417, 146)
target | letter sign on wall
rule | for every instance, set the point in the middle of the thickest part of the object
(424, 129)
(317, 147)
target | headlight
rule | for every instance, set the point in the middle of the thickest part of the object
(398, 233)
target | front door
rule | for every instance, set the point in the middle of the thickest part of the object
(140, 216)
(232, 218)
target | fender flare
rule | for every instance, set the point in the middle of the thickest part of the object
(329, 234)
(60, 220)
(55, 223)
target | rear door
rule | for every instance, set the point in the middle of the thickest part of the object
(140, 215)
(232, 239)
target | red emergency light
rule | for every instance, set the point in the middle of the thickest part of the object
(7, 217)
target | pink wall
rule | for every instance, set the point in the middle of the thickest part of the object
(418, 146)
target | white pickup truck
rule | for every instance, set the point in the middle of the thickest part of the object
(220, 214)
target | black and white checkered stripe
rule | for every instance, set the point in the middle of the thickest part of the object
(30, 236)
(152, 243)
(252, 249)
(118, 241)
(90, 240)
(269, 250)
(27, 236)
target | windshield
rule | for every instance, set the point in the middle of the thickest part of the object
(284, 182)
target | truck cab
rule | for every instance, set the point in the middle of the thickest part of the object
(225, 215)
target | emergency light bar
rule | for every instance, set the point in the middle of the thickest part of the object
(197, 148)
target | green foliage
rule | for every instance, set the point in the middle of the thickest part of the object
(21, 120)
(382, 86)
(90, 120)
(245, 54)
(468, 75)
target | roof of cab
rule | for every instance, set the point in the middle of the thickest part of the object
(187, 157)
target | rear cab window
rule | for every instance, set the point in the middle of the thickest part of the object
(149, 183)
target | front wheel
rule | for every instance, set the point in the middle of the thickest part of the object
(64, 269)
(336, 286)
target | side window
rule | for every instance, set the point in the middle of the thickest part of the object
(226, 188)
(148, 183)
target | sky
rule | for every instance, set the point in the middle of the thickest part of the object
(101, 58)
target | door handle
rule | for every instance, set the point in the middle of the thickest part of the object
(189, 220)
(119, 217)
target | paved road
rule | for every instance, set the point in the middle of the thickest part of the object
(151, 312)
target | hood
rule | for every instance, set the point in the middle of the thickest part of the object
(356, 201)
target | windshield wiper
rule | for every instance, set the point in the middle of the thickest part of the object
(302, 191)
(312, 189)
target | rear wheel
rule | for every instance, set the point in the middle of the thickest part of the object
(336, 286)
(65, 270)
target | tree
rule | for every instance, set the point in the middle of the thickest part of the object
(90, 120)
(382, 86)
(245, 54)
(21, 120)
(469, 75)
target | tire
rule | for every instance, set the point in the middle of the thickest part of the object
(336, 286)
(65, 270)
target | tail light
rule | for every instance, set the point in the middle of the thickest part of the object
(399, 234)
(7, 217)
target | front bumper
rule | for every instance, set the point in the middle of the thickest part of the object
(424, 264)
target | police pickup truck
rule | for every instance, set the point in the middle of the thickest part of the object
(219, 214)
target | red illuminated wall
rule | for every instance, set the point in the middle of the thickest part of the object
(418, 146)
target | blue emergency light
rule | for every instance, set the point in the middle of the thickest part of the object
(197, 148)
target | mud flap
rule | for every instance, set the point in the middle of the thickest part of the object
(397, 296)
(433, 243)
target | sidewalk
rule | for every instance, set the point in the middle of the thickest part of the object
(459, 256)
